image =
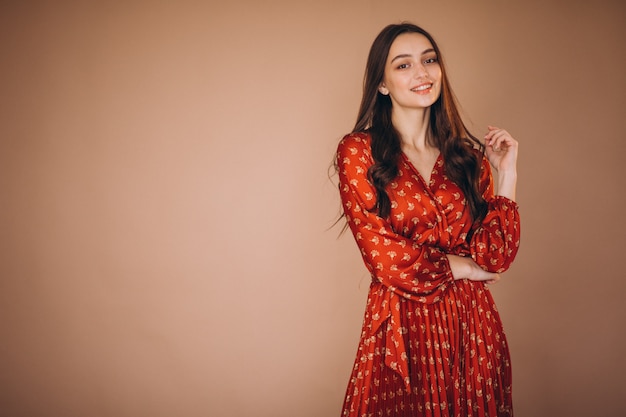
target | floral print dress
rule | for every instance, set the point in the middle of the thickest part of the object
(430, 345)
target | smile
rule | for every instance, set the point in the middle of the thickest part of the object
(422, 88)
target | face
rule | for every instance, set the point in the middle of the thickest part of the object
(412, 73)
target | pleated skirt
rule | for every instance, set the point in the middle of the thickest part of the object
(459, 363)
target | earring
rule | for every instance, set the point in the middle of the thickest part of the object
(383, 91)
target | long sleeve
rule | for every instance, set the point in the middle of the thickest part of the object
(405, 266)
(495, 242)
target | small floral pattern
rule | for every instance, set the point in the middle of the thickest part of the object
(430, 345)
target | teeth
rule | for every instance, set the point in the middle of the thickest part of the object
(422, 87)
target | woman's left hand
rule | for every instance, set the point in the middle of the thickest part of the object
(501, 149)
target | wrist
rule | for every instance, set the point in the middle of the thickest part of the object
(507, 183)
(459, 266)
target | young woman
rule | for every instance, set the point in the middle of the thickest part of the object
(418, 194)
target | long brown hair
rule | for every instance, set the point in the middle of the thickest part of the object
(462, 152)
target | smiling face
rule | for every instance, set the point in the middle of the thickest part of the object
(412, 72)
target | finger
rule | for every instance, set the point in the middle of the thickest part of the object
(506, 143)
(500, 139)
(490, 132)
(491, 128)
(499, 134)
(493, 132)
(494, 143)
(495, 279)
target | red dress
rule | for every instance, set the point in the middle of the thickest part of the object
(430, 345)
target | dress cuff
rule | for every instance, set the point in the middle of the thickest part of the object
(503, 202)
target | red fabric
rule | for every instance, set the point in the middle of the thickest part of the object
(430, 345)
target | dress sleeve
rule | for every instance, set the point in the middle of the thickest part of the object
(495, 242)
(406, 267)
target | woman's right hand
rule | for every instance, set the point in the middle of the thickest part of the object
(465, 268)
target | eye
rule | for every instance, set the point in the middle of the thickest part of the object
(403, 66)
(431, 60)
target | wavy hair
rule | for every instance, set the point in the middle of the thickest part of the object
(462, 152)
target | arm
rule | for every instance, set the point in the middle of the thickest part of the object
(466, 268)
(495, 243)
(401, 264)
(501, 150)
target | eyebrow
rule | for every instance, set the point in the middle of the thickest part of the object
(409, 55)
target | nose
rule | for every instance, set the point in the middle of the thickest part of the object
(420, 71)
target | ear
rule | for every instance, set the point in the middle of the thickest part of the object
(383, 90)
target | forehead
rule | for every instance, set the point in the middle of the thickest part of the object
(409, 44)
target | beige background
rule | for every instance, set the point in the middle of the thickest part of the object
(164, 200)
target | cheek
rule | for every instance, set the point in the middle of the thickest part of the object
(435, 74)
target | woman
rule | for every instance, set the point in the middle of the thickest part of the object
(418, 194)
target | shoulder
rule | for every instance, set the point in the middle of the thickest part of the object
(481, 158)
(354, 144)
(486, 176)
(484, 162)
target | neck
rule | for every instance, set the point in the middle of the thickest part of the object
(412, 125)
